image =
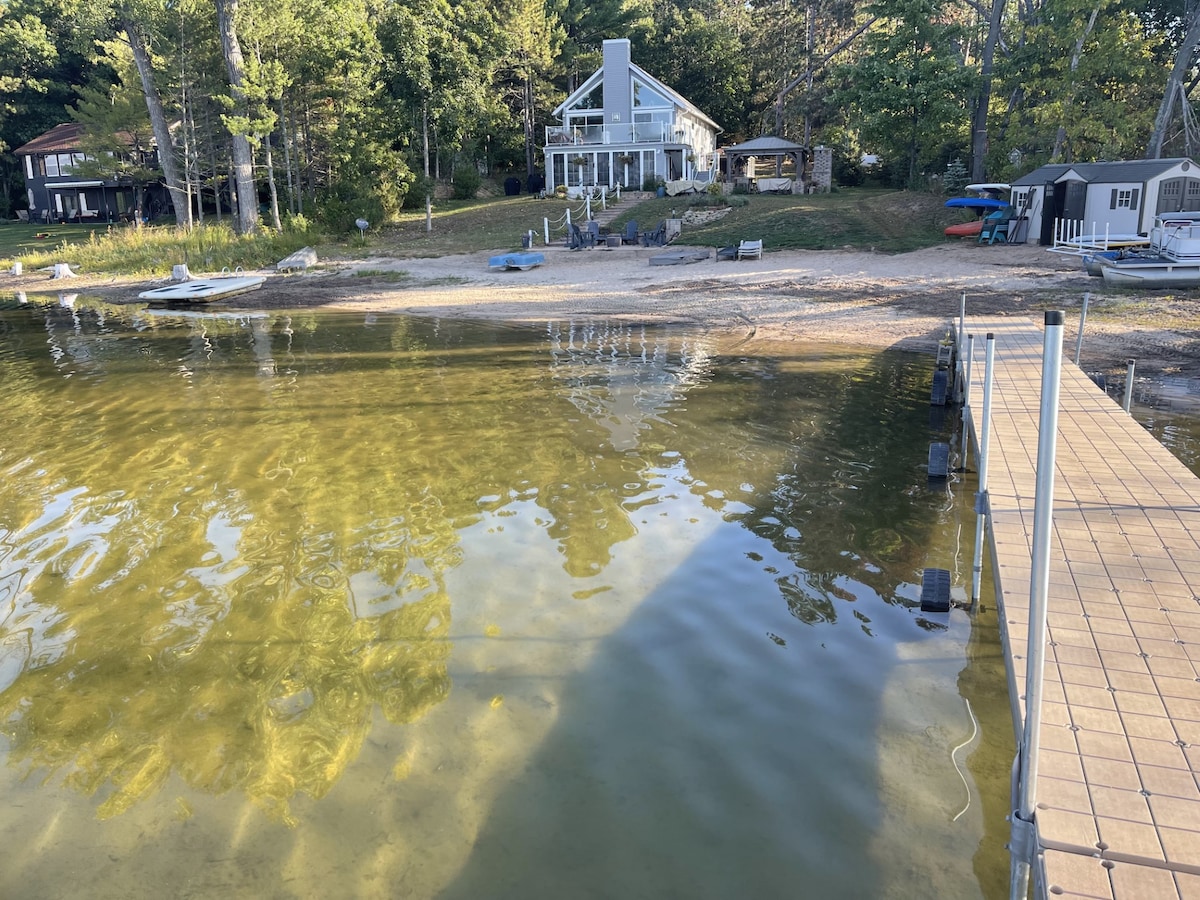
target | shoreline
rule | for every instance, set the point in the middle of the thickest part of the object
(840, 296)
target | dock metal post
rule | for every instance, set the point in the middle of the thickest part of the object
(546, 230)
(966, 394)
(982, 509)
(1023, 834)
(1128, 402)
(962, 323)
(1087, 295)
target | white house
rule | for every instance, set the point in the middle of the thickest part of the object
(1104, 197)
(623, 125)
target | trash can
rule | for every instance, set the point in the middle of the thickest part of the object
(662, 191)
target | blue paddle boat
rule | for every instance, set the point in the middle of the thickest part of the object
(523, 261)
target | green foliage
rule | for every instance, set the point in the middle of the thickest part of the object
(955, 177)
(153, 251)
(296, 223)
(652, 183)
(466, 182)
(338, 210)
(908, 88)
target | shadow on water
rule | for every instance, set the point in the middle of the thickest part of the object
(313, 513)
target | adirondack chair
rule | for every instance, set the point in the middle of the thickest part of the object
(631, 233)
(657, 237)
(995, 227)
(593, 232)
(750, 250)
(577, 239)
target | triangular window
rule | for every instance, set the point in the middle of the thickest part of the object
(593, 99)
(644, 95)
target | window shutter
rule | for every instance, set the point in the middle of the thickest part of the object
(1133, 199)
(1112, 204)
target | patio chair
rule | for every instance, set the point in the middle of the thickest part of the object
(995, 227)
(657, 237)
(593, 232)
(750, 250)
(577, 239)
(631, 233)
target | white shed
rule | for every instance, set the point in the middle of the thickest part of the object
(1104, 197)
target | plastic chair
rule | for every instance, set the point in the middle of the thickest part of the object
(750, 250)
(995, 227)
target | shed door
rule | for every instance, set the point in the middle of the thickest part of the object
(1191, 193)
(1170, 196)
(1050, 212)
(1075, 201)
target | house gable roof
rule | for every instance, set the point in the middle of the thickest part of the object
(1133, 170)
(59, 139)
(642, 75)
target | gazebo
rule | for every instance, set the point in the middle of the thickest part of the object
(768, 145)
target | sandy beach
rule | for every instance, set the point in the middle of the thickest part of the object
(864, 298)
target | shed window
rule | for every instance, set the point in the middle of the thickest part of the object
(1123, 198)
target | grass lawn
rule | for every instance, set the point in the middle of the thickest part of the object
(19, 239)
(886, 221)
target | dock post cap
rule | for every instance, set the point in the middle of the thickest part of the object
(991, 336)
(1054, 317)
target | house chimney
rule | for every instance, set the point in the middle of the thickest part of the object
(618, 87)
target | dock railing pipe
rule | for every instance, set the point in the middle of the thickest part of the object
(966, 395)
(1128, 402)
(1022, 843)
(1087, 295)
(981, 497)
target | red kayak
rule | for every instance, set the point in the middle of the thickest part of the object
(966, 229)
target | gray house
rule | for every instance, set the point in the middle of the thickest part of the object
(1115, 198)
(55, 192)
(622, 126)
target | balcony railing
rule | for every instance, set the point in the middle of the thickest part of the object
(636, 133)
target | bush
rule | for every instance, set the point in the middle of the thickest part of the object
(466, 182)
(652, 183)
(296, 223)
(420, 188)
(339, 212)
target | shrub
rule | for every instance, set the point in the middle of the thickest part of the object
(297, 223)
(652, 183)
(417, 191)
(956, 176)
(466, 182)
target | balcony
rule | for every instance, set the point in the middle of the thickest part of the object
(598, 135)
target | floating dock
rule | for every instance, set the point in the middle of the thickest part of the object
(204, 290)
(1118, 783)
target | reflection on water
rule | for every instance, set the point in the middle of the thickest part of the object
(392, 606)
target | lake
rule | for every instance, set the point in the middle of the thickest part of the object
(315, 605)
